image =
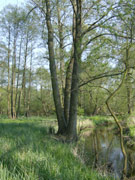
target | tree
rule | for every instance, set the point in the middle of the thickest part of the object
(69, 128)
(56, 94)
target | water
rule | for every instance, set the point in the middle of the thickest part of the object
(102, 151)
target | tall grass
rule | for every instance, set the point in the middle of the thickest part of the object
(28, 152)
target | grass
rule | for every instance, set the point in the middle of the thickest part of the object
(28, 152)
(97, 120)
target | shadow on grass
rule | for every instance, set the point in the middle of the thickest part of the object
(28, 153)
(23, 139)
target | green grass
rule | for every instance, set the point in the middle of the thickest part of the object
(28, 152)
(97, 120)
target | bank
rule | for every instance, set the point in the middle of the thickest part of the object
(29, 152)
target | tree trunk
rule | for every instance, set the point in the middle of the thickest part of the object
(67, 91)
(23, 90)
(128, 93)
(54, 80)
(118, 123)
(19, 103)
(24, 73)
(61, 53)
(72, 126)
(13, 108)
(8, 88)
(17, 86)
(29, 89)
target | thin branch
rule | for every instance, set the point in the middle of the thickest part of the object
(67, 45)
(92, 27)
(101, 76)
(42, 9)
(73, 6)
(45, 57)
(104, 34)
(31, 11)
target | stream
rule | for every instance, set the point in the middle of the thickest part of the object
(101, 150)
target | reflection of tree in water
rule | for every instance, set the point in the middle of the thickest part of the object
(97, 150)
(131, 164)
(103, 151)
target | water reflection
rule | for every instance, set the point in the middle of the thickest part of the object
(102, 150)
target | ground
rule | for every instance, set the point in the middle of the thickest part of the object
(29, 152)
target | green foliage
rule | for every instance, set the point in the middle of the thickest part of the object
(3, 101)
(132, 131)
(80, 111)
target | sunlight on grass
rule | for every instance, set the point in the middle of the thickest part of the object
(29, 153)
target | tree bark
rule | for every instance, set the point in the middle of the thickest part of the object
(118, 124)
(61, 53)
(13, 108)
(23, 90)
(24, 73)
(54, 80)
(8, 88)
(29, 89)
(72, 126)
(17, 86)
(67, 91)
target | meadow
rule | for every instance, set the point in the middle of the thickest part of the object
(29, 152)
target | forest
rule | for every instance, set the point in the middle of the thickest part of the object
(67, 93)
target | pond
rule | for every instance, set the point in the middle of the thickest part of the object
(102, 150)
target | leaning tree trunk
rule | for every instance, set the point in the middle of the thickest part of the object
(54, 80)
(72, 125)
(118, 123)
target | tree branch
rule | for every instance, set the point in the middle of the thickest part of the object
(31, 11)
(91, 27)
(73, 6)
(104, 34)
(101, 76)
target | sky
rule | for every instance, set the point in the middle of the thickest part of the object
(6, 2)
